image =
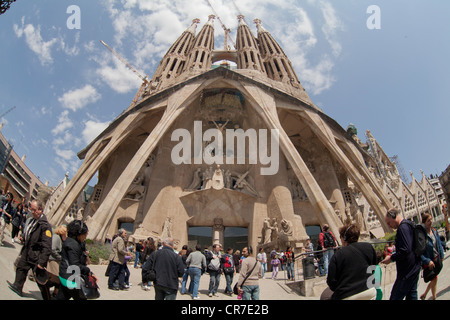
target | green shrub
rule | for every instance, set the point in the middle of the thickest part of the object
(98, 250)
(387, 237)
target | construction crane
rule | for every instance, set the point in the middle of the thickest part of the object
(400, 168)
(6, 112)
(225, 29)
(144, 79)
(236, 7)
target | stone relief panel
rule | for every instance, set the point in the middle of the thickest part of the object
(219, 178)
(138, 187)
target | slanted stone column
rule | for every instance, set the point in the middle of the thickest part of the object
(264, 105)
(177, 103)
(367, 186)
(92, 162)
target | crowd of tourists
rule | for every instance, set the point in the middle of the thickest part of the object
(56, 258)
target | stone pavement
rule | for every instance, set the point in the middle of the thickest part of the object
(269, 289)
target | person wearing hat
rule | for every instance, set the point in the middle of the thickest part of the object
(35, 252)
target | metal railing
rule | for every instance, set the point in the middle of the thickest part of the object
(298, 265)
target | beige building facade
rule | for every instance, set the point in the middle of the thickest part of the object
(210, 147)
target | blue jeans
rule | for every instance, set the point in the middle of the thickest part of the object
(327, 255)
(137, 259)
(164, 293)
(263, 268)
(195, 274)
(229, 279)
(250, 293)
(290, 270)
(405, 288)
(214, 280)
(184, 280)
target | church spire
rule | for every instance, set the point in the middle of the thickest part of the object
(248, 54)
(200, 58)
(173, 63)
(278, 66)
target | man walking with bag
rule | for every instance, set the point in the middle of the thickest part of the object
(168, 267)
(35, 252)
(214, 269)
(249, 275)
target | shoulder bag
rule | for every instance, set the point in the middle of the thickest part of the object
(150, 275)
(428, 274)
(235, 288)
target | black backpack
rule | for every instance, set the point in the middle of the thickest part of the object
(328, 240)
(420, 237)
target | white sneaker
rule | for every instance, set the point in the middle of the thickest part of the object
(210, 294)
(195, 298)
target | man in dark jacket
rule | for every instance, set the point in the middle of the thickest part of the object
(408, 265)
(36, 249)
(168, 267)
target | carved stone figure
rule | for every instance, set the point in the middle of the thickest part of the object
(243, 185)
(228, 179)
(137, 189)
(167, 229)
(217, 179)
(274, 228)
(266, 232)
(196, 180)
(287, 227)
(207, 177)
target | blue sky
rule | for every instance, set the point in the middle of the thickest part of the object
(67, 87)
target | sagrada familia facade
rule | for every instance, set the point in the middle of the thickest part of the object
(173, 160)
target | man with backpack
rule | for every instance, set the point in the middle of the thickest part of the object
(407, 256)
(214, 268)
(328, 242)
(228, 270)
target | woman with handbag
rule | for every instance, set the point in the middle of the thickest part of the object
(73, 270)
(432, 258)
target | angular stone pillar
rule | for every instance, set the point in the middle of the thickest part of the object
(92, 162)
(369, 190)
(264, 104)
(177, 103)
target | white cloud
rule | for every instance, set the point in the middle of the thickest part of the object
(92, 129)
(331, 26)
(43, 49)
(120, 78)
(79, 98)
(35, 41)
(64, 123)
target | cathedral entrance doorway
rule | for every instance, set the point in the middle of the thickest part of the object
(199, 235)
(236, 238)
(228, 237)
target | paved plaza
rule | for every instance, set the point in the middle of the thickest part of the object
(269, 289)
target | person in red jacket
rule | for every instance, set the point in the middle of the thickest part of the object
(329, 243)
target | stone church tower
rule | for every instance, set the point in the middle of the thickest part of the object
(220, 147)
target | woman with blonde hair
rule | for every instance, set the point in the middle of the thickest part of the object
(432, 257)
(59, 236)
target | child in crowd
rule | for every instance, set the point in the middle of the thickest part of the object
(275, 264)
